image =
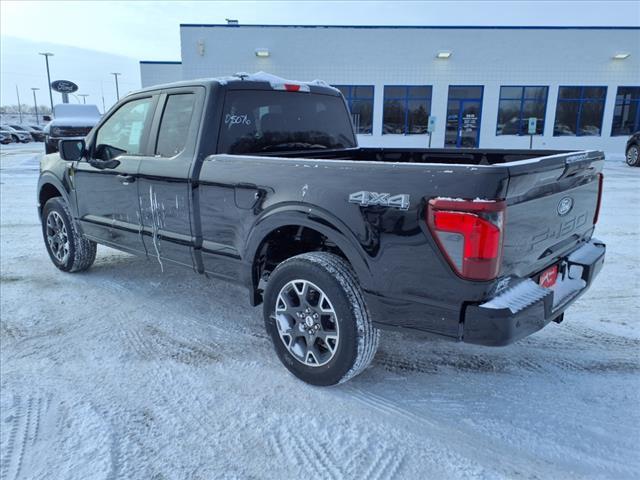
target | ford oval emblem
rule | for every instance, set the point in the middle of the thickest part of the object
(564, 206)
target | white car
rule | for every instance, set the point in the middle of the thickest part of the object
(18, 136)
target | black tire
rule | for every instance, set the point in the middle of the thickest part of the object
(78, 253)
(15, 139)
(356, 337)
(48, 148)
(633, 156)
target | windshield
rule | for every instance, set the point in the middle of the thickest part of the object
(18, 127)
(260, 121)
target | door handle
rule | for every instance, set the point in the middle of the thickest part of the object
(126, 179)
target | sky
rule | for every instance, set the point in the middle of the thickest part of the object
(90, 39)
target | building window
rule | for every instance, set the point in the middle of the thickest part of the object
(626, 116)
(579, 111)
(406, 110)
(360, 101)
(517, 105)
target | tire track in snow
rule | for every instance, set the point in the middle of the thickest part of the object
(25, 428)
(471, 447)
(509, 363)
(385, 466)
(161, 377)
(7, 459)
(314, 456)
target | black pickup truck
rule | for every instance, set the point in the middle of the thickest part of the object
(260, 181)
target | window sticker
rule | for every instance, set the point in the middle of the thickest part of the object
(240, 119)
(135, 133)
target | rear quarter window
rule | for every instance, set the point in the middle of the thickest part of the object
(261, 121)
(174, 126)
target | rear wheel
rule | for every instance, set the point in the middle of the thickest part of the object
(319, 324)
(68, 250)
(633, 156)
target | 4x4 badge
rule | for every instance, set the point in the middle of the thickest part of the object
(564, 206)
(367, 199)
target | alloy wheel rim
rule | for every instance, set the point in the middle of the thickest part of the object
(307, 323)
(57, 237)
(632, 155)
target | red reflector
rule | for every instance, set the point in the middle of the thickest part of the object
(548, 277)
(469, 233)
(290, 87)
(597, 214)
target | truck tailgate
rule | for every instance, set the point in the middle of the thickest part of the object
(552, 203)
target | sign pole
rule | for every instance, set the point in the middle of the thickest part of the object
(533, 122)
(431, 126)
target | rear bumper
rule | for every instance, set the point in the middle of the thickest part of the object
(527, 307)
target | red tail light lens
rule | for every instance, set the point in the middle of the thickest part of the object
(469, 234)
(597, 214)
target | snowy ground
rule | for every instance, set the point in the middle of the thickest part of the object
(126, 372)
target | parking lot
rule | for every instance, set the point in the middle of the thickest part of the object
(125, 371)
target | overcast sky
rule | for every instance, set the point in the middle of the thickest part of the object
(127, 32)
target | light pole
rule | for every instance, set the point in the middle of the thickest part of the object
(35, 103)
(46, 59)
(19, 106)
(84, 97)
(115, 75)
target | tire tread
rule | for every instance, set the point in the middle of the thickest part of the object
(368, 335)
(84, 250)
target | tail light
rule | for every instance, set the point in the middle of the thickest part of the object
(597, 214)
(469, 234)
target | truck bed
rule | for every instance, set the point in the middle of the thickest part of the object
(445, 156)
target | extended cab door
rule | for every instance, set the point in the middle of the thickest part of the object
(106, 183)
(164, 178)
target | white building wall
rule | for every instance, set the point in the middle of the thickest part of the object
(157, 73)
(407, 56)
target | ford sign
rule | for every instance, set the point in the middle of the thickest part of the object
(564, 206)
(64, 86)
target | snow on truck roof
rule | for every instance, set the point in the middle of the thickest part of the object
(72, 110)
(276, 82)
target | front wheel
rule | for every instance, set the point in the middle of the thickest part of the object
(317, 318)
(67, 248)
(633, 156)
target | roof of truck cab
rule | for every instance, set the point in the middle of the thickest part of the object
(258, 79)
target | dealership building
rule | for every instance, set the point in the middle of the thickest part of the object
(487, 87)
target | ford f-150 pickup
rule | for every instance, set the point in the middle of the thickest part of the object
(260, 181)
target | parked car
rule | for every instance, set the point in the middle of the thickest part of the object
(37, 132)
(36, 135)
(260, 181)
(18, 136)
(5, 136)
(69, 122)
(632, 152)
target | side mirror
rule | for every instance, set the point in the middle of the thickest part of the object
(71, 150)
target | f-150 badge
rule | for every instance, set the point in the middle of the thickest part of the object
(367, 199)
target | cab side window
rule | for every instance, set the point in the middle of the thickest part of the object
(122, 132)
(174, 126)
